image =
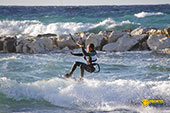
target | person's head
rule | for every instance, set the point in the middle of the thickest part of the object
(90, 47)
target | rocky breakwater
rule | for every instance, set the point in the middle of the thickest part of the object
(139, 39)
(110, 41)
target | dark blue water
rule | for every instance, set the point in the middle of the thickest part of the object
(54, 19)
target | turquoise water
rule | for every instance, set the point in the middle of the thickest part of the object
(30, 83)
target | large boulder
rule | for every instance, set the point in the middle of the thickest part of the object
(95, 39)
(115, 35)
(34, 45)
(156, 42)
(66, 41)
(124, 43)
(142, 42)
(43, 44)
(25, 45)
(9, 44)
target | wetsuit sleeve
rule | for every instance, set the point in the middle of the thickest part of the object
(84, 52)
(77, 54)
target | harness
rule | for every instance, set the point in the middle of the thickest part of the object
(93, 60)
(96, 65)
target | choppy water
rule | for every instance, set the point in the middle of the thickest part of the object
(30, 83)
(20, 20)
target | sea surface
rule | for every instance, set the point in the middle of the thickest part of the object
(31, 82)
(31, 21)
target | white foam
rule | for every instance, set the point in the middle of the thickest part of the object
(145, 14)
(34, 27)
(90, 94)
(110, 23)
(9, 58)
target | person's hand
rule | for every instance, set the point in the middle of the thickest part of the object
(78, 43)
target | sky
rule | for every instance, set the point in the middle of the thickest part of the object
(80, 2)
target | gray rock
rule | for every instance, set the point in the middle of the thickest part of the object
(34, 45)
(115, 35)
(156, 42)
(95, 39)
(124, 43)
(9, 44)
(66, 41)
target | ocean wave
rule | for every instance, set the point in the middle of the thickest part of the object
(145, 14)
(89, 94)
(34, 27)
(109, 23)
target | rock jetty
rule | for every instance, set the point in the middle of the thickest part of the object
(109, 41)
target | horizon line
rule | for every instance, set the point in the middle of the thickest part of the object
(89, 5)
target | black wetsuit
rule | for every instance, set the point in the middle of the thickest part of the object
(83, 66)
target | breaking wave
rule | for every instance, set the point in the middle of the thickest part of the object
(87, 94)
(35, 27)
(145, 14)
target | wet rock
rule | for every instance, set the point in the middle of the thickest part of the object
(142, 44)
(9, 44)
(104, 41)
(124, 43)
(66, 41)
(95, 39)
(156, 42)
(34, 45)
(115, 35)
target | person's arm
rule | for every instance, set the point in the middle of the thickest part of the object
(77, 54)
(84, 52)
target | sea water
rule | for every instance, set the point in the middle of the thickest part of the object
(31, 21)
(31, 82)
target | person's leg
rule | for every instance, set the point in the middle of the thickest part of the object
(86, 67)
(73, 69)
